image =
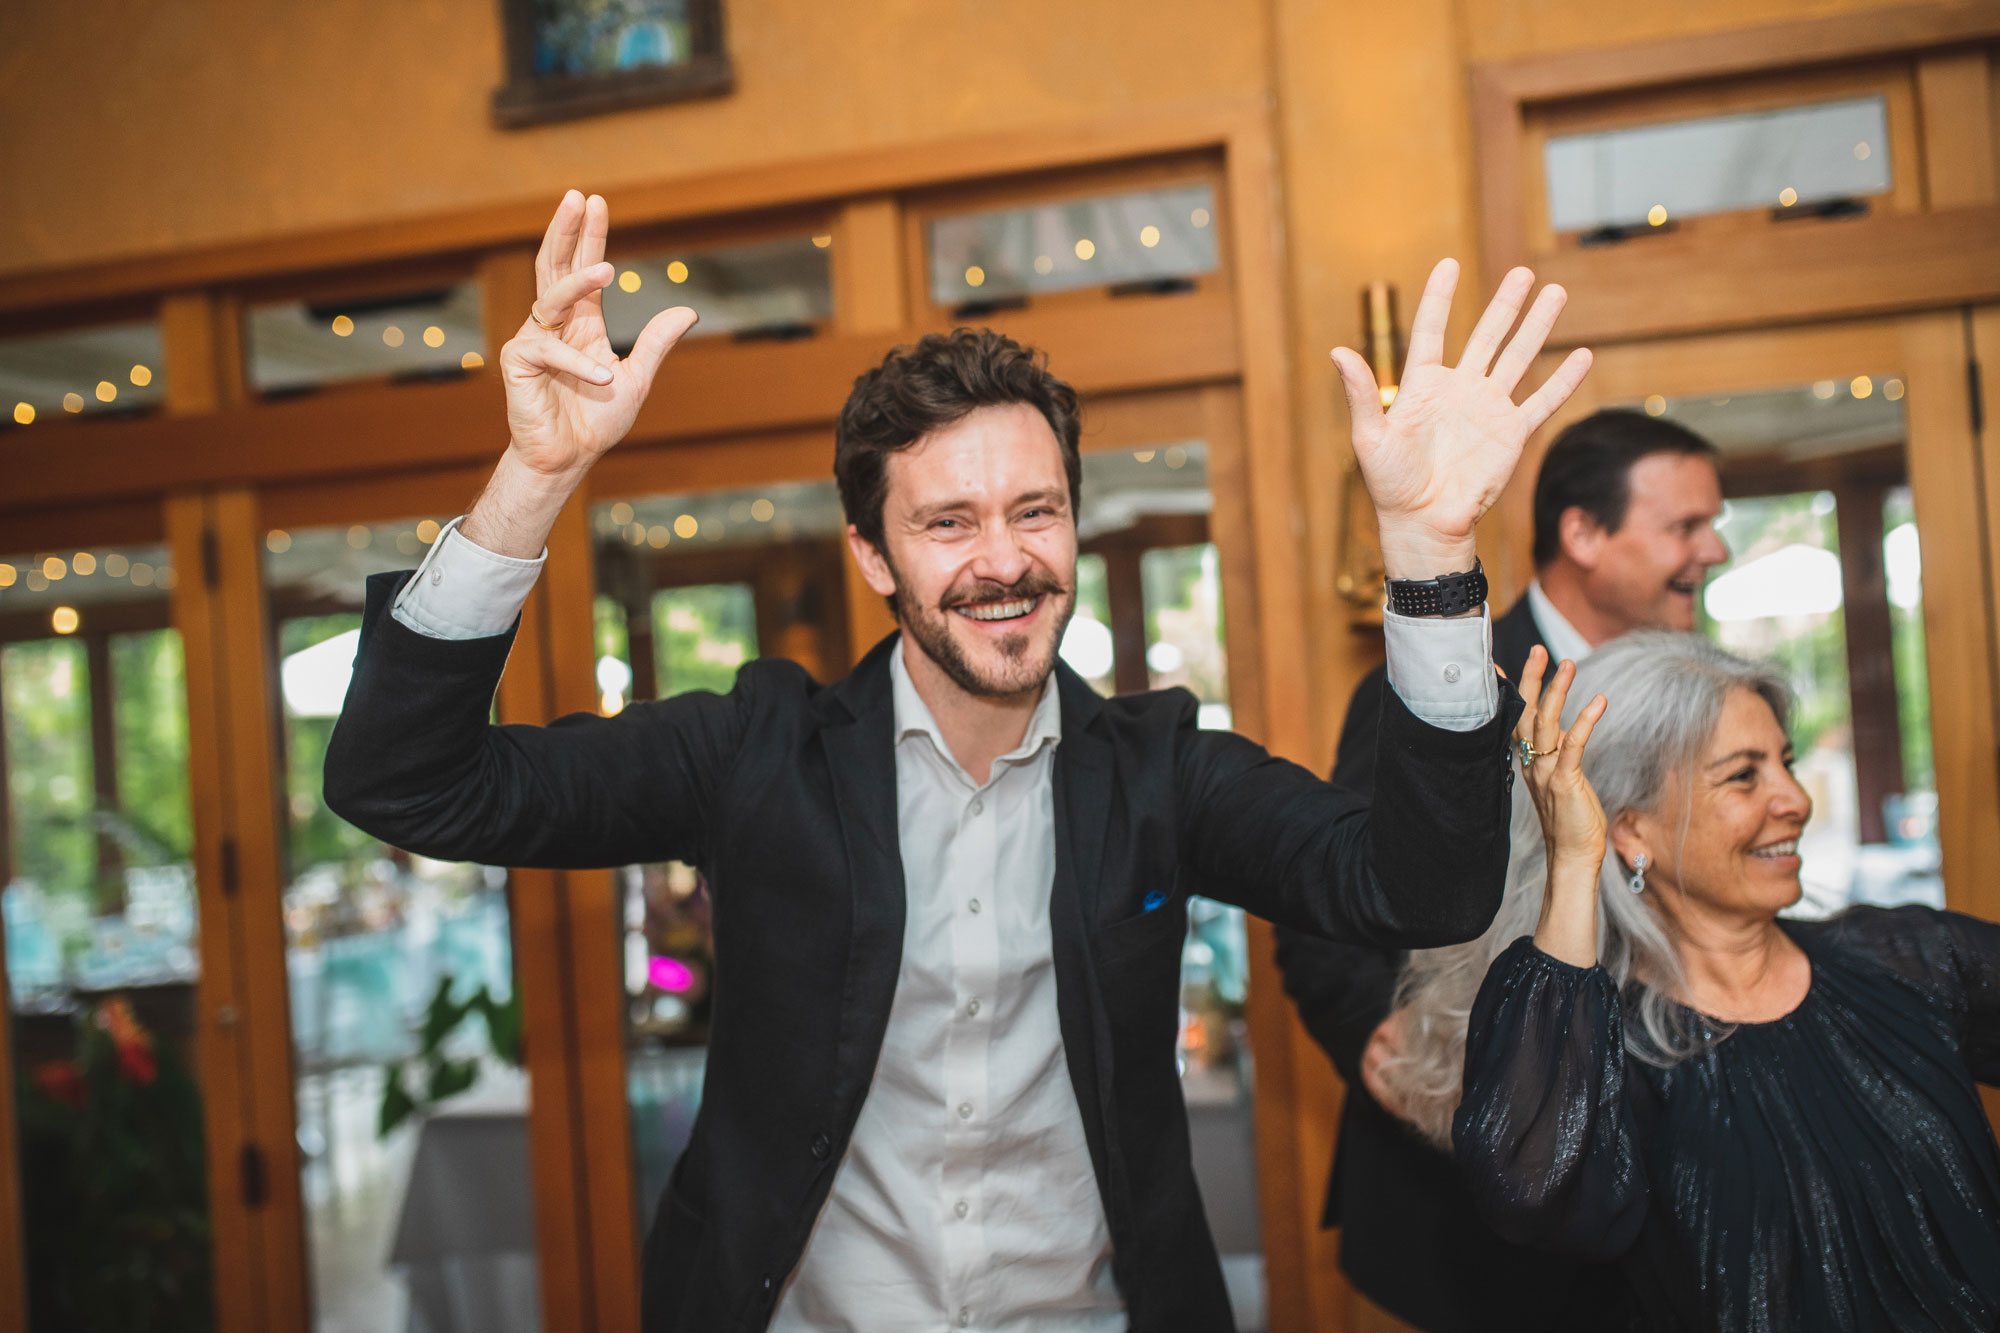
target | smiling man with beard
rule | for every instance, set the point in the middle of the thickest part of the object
(950, 889)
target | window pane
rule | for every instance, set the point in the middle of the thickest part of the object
(1792, 157)
(411, 1099)
(1912, 813)
(111, 368)
(1142, 237)
(1824, 581)
(690, 585)
(768, 289)
(102, 942)
(292, 346)
(1087, 644)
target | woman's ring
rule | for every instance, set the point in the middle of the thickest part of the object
(1529, 754)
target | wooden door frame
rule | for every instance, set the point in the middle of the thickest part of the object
(219, 1009)
(536, 897)
(1929, 351)
(1948, 253)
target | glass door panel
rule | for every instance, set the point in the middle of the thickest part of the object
(1825, 581)
(1150, 574)
(412, 1106)
(103, 942)
(689, 587)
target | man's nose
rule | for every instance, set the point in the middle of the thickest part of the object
(1711, 548)
(1000, 556)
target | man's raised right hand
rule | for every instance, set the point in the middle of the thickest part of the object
(570, 397)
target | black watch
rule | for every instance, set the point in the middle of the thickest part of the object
(1451, 595)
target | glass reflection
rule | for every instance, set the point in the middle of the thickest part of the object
(766, 289)
(1825, 581)
(1161, 236)
(1799, 157)
(411, 1100)
(99, 371)
(294, 346)
(102, 947)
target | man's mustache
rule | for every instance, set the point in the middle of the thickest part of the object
(1035, 583)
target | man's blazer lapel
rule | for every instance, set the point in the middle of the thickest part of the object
(1084, 773)
(858, 734)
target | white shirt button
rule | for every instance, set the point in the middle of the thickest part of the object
(964, 1315)
(437, 576)
(978, 806)
(973, 907)
(1451, 673)
(961, 1208)
(965, 1110)
(972, 1008)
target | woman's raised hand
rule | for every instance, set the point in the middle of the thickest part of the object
(1573, 825)
(570, 397)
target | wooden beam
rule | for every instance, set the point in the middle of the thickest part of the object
(1959, 633)
(1776, 275)
(709, 387)
(597, 962)
(537, 909)
(1955, 95)
(245, 716)
(1868, 34)
(1871, 659)
(1151, 132)
(13, 1238)
(237, 1236)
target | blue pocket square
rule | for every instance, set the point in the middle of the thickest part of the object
(1153, 899)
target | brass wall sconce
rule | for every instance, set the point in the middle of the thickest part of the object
(1358, 574)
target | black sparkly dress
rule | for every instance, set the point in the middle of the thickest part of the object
(1831, 1170)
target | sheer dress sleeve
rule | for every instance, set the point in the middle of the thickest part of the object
(1975, 953)
(1544, 1135)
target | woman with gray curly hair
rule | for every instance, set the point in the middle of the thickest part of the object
(1766, 1124)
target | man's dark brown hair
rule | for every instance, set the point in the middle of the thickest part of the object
(919, 389)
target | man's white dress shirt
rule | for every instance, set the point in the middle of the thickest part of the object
(966, 1198)
(1564, 640)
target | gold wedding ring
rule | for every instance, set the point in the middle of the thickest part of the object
(535, 313)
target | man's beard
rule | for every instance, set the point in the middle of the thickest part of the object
(931, 628)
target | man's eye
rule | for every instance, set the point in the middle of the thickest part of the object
(945, 523)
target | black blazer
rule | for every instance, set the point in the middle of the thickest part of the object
(784, 793)
(1410, 1238)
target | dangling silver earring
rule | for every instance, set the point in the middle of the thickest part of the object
(1639, 873)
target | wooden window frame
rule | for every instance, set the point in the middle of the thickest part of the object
(1719, 276)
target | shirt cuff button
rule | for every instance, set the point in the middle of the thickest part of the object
(1451, 673)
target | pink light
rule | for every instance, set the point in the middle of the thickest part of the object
(669, 974)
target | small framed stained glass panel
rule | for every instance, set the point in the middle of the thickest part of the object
(569, 58)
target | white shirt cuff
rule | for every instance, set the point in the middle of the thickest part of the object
(1443, 669)
(464, 591)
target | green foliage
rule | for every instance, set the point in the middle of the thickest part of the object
(701, 635)
(114, 1187)
(47, 699)
(149, 711)
(433, 1067)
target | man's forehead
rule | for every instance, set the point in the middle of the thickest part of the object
(1676, 483)
(1005, 448)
